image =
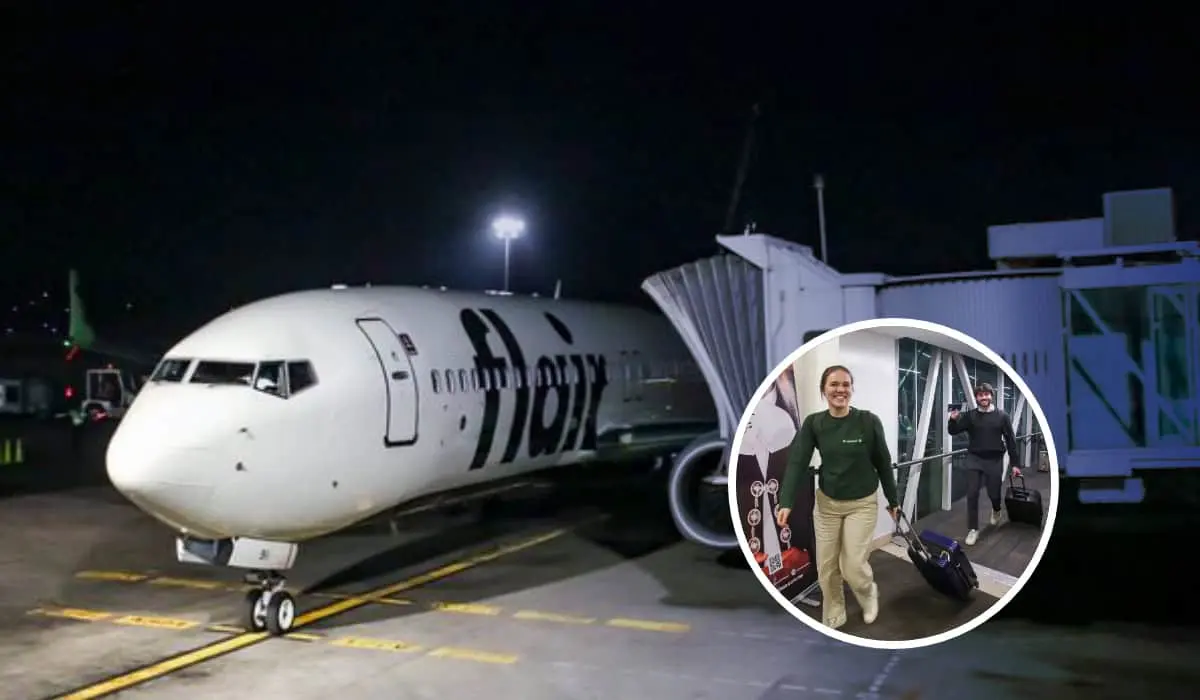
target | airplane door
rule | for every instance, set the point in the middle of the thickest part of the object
(399, 379)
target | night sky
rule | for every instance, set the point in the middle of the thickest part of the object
(190, 161)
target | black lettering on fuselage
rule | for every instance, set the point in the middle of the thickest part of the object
(521, 378)
(477, 332)
(580, 401)
(578, 395)
(544, 438)
(599, 380)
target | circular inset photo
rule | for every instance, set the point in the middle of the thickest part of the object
(894, 483)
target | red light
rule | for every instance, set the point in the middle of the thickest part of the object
(72, 352)
(69, 392)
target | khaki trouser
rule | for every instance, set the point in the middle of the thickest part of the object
(844, 531)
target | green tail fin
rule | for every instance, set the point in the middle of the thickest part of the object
(79, 331)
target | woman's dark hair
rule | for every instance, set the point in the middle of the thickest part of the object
(830, 370)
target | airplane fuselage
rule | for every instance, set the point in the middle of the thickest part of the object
(299, 415)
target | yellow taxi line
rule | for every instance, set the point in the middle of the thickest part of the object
(438, 606)
(229, 645)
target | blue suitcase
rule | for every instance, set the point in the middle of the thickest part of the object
(941, 561)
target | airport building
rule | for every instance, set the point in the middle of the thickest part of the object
(1100, 317)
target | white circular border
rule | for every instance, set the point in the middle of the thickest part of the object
(1047, 528)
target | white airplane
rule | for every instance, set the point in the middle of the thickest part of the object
(299, 415)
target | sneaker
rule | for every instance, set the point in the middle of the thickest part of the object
(972, 537)
(995, 518)
(836, 622)
(870, 605)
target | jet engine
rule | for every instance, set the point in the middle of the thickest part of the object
(697, 489)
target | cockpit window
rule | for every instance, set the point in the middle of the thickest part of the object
(300, 376)
(210, 372)
(282, 378)
(171, 370)
(270, 378)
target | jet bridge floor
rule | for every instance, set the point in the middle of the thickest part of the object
(595, 597)
(1007, 547)
(909, 609)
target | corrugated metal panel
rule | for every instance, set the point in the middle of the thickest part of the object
(716, 305)
(1019, 318)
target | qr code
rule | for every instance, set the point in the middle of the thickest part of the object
(774, 563)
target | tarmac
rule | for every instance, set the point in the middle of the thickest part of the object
(578, 592)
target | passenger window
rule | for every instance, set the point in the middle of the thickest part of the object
(300, 375)
(269, 379)
(485, 378)
(474, 380)
(433, 378)
(449, 381)
(462, 380)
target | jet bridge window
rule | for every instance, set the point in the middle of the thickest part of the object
(213, 373)
(171, 370)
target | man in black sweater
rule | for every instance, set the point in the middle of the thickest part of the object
(990, 434)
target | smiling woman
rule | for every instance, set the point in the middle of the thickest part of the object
(855, 461)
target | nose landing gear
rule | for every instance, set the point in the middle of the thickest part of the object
(270, 607)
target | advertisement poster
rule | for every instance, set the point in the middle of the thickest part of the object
(785, 554)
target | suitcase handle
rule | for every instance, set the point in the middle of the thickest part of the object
(910, 536)
(1013, 480)
(914, 540)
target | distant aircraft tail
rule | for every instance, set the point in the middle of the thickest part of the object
(79, 332)
(81, 335)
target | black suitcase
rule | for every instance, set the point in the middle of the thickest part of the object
(1023, 505)
(941, 561)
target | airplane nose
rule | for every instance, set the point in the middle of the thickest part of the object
(168, 481)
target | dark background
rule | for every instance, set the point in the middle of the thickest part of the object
(191, 159)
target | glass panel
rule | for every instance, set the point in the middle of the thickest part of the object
(171, 370)
(1132, 362)
(301, 376)
(916, 359)
(929, 489)
(223, 373)
(1171, 420)
(270, 380)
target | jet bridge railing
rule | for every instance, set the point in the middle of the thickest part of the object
(954, 459)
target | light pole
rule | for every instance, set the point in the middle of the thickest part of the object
(507, 229)
(819, 186)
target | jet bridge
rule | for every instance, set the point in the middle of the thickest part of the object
(1098, 316)
(740, 314)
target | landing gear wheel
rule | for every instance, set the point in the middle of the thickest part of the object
(256, 611)
(281, 613)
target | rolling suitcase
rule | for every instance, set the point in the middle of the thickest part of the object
(1023, 505)
(941, 561)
